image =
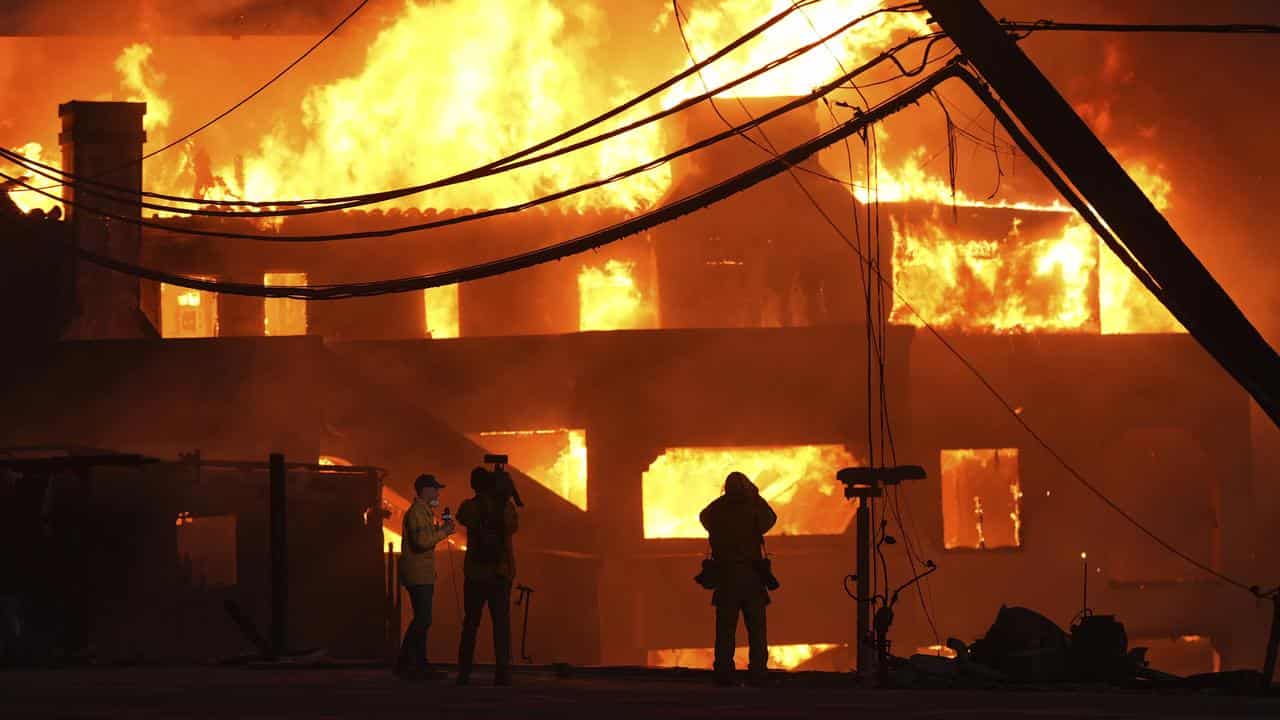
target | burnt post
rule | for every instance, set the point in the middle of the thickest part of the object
(102, 142)
(279, 557)
(1191, 293)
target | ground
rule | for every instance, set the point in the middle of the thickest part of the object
(372, 693)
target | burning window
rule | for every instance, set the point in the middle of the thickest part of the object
(981, 499)
(284, 316)
(188, 313)
(609, 298)
(1034, 272)
(818, 656)
(442, 311)
(207, 549)
(556, 459)
(798, 481)
(1127, 306)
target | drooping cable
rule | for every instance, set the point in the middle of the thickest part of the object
(510, 209)
(494, 166)
(690, 203)
(1222, 29)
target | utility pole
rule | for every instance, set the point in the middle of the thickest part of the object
(1194, 297)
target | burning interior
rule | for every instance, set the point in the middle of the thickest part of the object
(624, 384)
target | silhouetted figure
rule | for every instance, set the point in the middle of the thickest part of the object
(418, 541)
(736, 523)
(490, 519)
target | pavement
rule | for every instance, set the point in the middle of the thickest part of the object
(365, 692)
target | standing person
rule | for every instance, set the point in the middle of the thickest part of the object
(736, 523)
(489, 568)
(418, 541)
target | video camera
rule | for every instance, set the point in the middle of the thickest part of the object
(503, 484)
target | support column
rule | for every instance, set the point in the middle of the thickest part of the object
(279, 556)
(102, 141)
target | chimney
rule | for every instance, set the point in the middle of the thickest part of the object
(102, 141)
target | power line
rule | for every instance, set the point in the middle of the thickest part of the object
(1053, 25)
(521, 158)
(261, 88)
(510, 209)
(688, 204)
(481, 171)
(1081, 207)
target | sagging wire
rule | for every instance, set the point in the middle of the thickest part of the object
(510, 209)
(556, 251)
(512, 161)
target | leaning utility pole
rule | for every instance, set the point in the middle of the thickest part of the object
(1188, 290)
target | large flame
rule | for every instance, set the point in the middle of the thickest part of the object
(1020, 284)
(1127, 306)
(712, 25)
(798, 481)
(610, 299)
(140, 81)
(451, 85)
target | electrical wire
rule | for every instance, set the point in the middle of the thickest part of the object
(880, 571)
(510, 209)
(880, 345)
(504, 163)
(666, 213)
(241, 103)
(1077, 202)
(1049, 25)
(462, 177)
(1024, 143)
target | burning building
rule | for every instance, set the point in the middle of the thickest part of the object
(626, 383)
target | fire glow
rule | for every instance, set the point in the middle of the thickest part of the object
(981, 499)
(798, 481)
(555, 458)
(786, 657)
(525, 59)
(610, 299)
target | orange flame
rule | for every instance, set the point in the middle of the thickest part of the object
(609, 299)
(798, 481)
(555, 458)
(496, 81)
(711, 26)
(981, 499)
(1016, 285)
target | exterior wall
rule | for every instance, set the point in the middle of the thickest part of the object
(404, 405)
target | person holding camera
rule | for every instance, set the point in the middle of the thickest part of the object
(489, 568)
(418, 541)
(740, 574)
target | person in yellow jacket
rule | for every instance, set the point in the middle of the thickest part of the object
(418, 543)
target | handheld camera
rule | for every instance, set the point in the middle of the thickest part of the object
(502, 478)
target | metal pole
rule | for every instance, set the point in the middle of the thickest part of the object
(866, 653)
(279, 557)
(1192, 294)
